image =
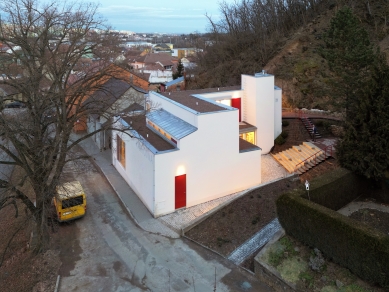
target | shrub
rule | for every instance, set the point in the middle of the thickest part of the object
(279, 140)
(284, 134)
(285, 123)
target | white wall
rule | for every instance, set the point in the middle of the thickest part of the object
(223, 94)
(277, 111)
(259, 109)
(212, 163)
(139, 170)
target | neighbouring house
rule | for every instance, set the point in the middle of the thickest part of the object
(174, 85)
(113, 98)
(199, 145)
(114, 93)
(9, 94)
(139, 79)
(152, 58)
(189, 63)
(166, 48)
(185, 52)
(159, 65)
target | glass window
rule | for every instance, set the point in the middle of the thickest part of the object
(76, 201)
(249, 137)
(121, 151)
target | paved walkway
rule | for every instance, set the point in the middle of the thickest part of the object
(312, 114)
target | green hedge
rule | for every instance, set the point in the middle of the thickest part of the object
(363, 251)
(337, 188)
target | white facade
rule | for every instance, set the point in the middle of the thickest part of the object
(159, 76)
(211, 155)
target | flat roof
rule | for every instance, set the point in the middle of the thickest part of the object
(246, 127)
(187, 99)
(245, 146)
(138, 123)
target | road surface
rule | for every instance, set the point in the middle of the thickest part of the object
(106, 251)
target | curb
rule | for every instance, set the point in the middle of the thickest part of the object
(123, 204)
(92, 159)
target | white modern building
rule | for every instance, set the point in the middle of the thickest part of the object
(199, 145)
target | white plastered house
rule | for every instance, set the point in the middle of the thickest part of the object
(199, 145)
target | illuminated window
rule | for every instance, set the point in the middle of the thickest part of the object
(249, 137)
(121, 151)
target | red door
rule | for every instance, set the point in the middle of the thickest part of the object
(236, 103)
(180, 191)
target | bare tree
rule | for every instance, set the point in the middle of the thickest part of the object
(46, 43)
(248, 34)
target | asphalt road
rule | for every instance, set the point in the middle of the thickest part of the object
(106, 251)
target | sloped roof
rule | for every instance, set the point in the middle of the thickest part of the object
(175, 81)
(171, 124)
(153, 58)
(149, 137)
(107, 95)
(155, 66)
(8, 90)
(141, 75)
(165, 63)
(133, 108)
(165, 46)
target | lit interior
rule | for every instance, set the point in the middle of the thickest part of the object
(249, 137)
(225, 101)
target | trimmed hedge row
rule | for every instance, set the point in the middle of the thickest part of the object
(363, 251)
(337, 188)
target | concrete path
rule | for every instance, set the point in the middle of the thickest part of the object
(257, 241)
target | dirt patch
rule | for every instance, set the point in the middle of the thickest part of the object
(21, 269)
(373, 218)
(233, 225)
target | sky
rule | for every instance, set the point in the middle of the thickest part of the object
(162, 16)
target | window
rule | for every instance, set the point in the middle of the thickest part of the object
(121, 151)
(72, 202)
(249, 137)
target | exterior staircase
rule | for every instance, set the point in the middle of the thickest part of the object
(299, 159)
(309, 126)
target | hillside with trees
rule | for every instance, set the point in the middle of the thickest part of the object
(286, 38)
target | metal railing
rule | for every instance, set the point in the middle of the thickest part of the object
(301, 116)
(327, 149)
